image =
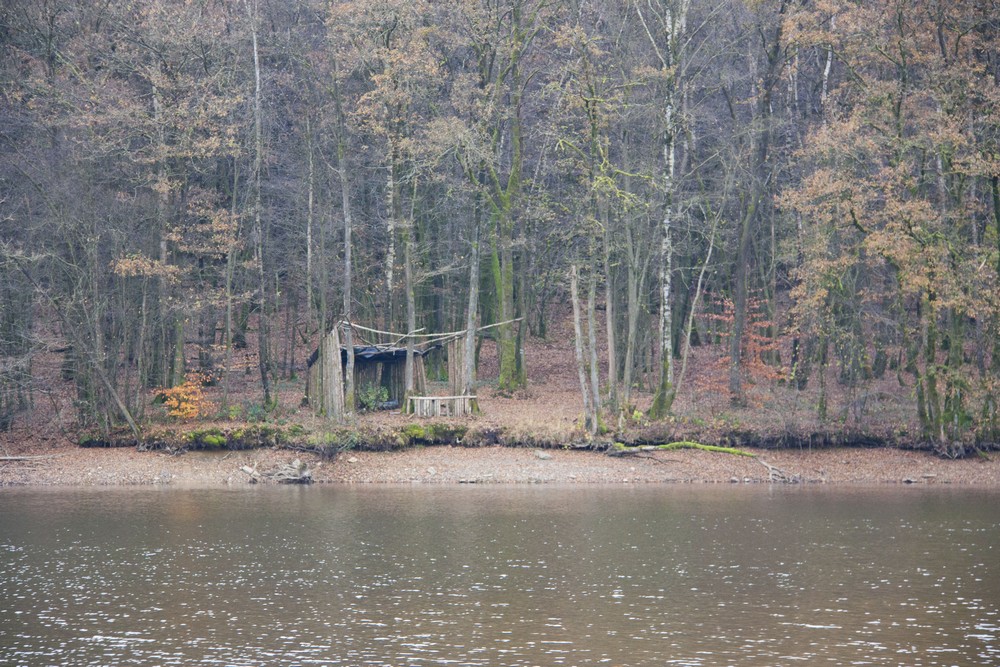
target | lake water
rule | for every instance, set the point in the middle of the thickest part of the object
(500, 576)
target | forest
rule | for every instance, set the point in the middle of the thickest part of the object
(812, 187)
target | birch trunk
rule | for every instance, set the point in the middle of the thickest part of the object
(394, 209)
(674, 25)
(609, 315)
(263, 356)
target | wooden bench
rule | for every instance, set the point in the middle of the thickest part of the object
(443, 406)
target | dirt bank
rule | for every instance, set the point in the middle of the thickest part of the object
(499, 465)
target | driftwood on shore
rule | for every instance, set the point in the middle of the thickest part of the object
(296, 472)
(252, 472)
(774, 474)
(777, 475)
(623, 450)
(29, 458)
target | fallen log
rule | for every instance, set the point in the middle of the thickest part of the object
(623, 450)
(29, 458)
(775, 474)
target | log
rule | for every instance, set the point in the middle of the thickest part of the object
(623, 450)
(29, 458)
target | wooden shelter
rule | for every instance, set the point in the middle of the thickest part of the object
(375, 365)
(385, 366)
(380, 360)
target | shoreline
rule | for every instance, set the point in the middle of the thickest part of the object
(72, 466)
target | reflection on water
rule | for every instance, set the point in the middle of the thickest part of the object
(500, 576)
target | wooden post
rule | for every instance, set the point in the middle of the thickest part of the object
(456, 367)
(332, 401)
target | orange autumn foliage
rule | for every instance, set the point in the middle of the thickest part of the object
(187, 400)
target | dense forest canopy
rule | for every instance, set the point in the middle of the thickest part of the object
(220, 174)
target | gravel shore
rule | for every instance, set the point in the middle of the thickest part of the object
(72, 466)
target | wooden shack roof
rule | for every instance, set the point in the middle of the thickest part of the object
(374, 353)
(383, 353)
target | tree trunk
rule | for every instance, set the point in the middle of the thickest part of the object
(589, 420)
(694, 306)
(595, 377)
(263, 356)
(230, 270)
(310, 198)
(469, 358)
(674, 25)
(330, 370)
(761, 146)
(411, 306)
(394, 207)
(345, 202)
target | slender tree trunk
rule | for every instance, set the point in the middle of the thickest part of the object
(345, 202)
(512, 374)
(674, 25)
(168, 371)
(611, 329)
(310, 198)
(411, 306)
(740, 308)
(995, 195)
(632, 334)
(595, 377)
(177, 366)
(469, 371)
(263, 356)
(395, 212)
(230, 270)
(694, 306)
(750, 220)
(590, 422)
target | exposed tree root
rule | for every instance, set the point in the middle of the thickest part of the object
(777, 475)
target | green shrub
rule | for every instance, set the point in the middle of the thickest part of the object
(370, 397)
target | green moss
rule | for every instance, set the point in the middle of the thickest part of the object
(446, 433)
(620, 448)
(686, 444)
(214, 441)
(211, 438)
(431, 433)
(414, 432)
